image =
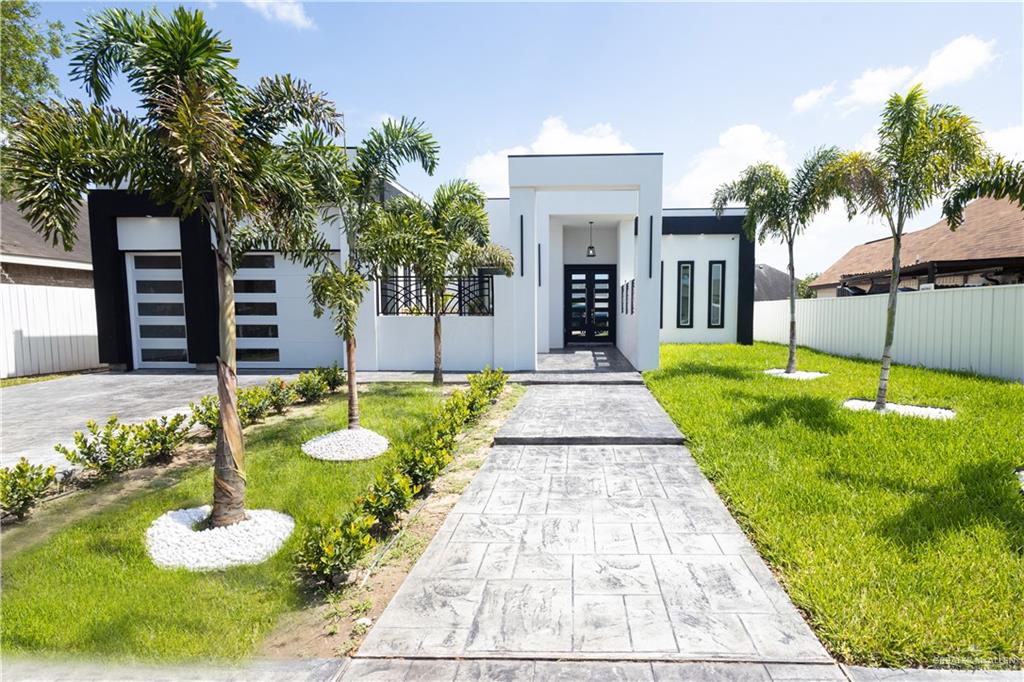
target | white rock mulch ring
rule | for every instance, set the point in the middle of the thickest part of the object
(346, 445)
(798, 375)
(905, 410)
(172, 542)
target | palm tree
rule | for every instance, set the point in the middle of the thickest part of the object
(998, 178)
(357, 194)
(243, 157)
(783, 207)
(923, 151)
(450, 236)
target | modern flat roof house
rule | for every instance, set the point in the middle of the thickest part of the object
(987, 249)
(598, 261)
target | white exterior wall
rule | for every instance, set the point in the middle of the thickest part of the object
(701, 249)
(47, 329)
(407, 342)
(979, 330)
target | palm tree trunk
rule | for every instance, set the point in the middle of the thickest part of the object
(791, 362)
(228, 472)
(890, 325)
(353, 395)
(438, 375)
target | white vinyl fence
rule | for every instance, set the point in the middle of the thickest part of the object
(47, 329)
(977, 329)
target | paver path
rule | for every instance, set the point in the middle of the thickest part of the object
(591, 551)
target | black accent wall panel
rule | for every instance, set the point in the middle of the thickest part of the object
(199, 272)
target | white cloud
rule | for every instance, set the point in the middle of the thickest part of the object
(738, 147)
(1008, 141)
(813, 98)
(490, 170)
(874, 86)
(956, 62)
(285, 11)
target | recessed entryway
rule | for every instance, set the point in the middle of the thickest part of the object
(589, 304)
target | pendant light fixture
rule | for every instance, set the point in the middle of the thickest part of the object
(591, 251)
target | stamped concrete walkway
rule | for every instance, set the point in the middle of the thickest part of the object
(590, 534)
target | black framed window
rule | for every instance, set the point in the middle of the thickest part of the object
(158, 262)
(161, 331)
(162, 309)
(255, 308)
(164, 354)
(684, 296)
(255, 286)
(257, 260)
(158, 286)
(716, 294)
(257, 331)
(258, 355)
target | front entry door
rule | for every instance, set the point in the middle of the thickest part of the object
(589, 304)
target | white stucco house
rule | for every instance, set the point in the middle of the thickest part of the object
(599, 260)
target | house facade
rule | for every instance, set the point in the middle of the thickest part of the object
(598, 260)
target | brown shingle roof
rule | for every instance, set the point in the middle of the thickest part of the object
(18, 239)
(992, 229)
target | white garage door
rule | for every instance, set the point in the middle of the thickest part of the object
(156, 298)
(274, 320)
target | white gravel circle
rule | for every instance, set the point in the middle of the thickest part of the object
(346, 445)
(797, 375)
(172, 543)
(906, 410)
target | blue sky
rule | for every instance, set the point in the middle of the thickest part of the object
(714, 87)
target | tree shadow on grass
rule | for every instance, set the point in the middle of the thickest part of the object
(981, 493)
(693, 369)
(813, 412)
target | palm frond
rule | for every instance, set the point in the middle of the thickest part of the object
(471, 257)
(385, 150)
(998, 178)
(280, 102)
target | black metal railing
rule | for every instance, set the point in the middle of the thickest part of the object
(464, 296)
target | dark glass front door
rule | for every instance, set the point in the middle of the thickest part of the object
(589, 304)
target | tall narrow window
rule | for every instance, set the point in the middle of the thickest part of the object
(684, 303)
(716, 294)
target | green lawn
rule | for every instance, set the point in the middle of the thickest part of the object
(901, 538)
(91, 589)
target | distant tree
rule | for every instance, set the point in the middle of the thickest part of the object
(445, 238)
(781, 208)
(997, 178)
(923, 152)
(357, 195)
(25, 53)
(803, 286)
(245, 158)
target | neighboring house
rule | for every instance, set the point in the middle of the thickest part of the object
(26, 258)
(770, 284)
(988, 249)
(652, 275)
(48, 309)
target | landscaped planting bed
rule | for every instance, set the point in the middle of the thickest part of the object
(92, 589)
(901, 538)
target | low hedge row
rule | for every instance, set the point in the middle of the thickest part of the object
(330, 549)
(103, 451)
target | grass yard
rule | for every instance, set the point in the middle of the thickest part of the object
(901, 538)
(92, 590)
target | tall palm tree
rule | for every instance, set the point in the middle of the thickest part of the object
(997, 178)
(450, 236)
(779, 207)
(357, 195)
(243, 157)
(923, 152)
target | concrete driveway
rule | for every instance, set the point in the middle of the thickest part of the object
(35, 417)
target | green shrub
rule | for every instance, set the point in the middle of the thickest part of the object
(207, 412)
(329, 550)
(310, 386)
(253, 404)
(421, 461)
(159, 438)
(389, 495)
(22, 485)
(281, 395)
(484, 388)
(106, 451)
(333, 376)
